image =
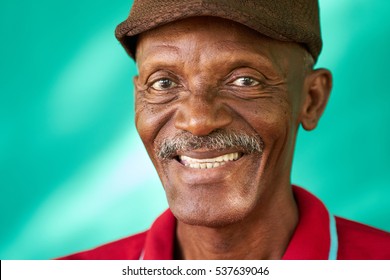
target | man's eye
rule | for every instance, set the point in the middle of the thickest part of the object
(163, 84)
(245, 82)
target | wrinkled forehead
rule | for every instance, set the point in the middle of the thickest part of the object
(201, 36)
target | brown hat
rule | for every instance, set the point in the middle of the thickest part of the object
(284, 20)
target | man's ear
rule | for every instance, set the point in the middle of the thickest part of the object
(135, 81)
(318, 85)
(135, 85)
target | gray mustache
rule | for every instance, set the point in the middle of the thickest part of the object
(217, 140)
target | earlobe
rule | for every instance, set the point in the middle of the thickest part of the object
(317, 88)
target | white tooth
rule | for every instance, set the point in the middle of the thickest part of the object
(208, 162)
(222, 163)
(184, 158)
(216, 164)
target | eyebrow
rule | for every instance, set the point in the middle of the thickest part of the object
(163, 51)
(230, 46)
(164, 47)
(168, 46)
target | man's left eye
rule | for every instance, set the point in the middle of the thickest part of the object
(245, 82)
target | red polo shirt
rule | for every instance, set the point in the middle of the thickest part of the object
(318, 236)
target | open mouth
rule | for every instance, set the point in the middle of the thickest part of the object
(207, 163)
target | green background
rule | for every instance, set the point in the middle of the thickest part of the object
(73, 172)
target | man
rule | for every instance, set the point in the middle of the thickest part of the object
(223, 87)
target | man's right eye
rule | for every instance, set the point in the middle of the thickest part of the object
(163, 84)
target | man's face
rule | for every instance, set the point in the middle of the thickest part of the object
(217, 108)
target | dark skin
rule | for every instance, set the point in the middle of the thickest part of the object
(205, 74)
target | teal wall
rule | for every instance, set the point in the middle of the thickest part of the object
(73, 172)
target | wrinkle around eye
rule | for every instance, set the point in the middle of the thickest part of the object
(255, 92)
(162, 74)
(151, 69)
(260, 76)
(157, 97)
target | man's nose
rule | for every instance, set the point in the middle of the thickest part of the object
(201, 116)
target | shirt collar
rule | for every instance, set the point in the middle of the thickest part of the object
(160, 238)
(315, 236)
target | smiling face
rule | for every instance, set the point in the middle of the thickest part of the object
(217, 108)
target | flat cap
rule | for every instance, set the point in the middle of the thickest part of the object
(284, 20)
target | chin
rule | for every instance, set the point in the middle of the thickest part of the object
(215, 197)
(219, 214)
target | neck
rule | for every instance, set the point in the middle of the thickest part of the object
(264, 234)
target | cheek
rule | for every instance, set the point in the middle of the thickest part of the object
(151, 121)
(269, 117)
(147, 122)
(274, 121)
